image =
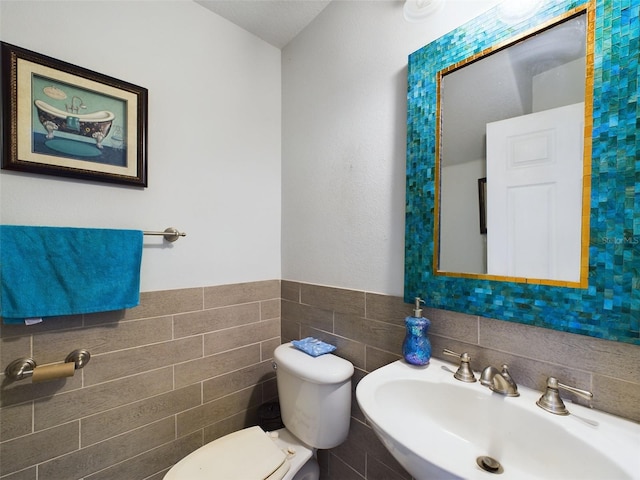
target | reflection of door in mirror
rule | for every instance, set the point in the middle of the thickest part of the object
(539, 73)
(534, 190)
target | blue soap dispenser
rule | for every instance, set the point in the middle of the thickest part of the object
(416, 347)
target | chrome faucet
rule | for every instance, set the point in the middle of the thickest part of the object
(464, 372)
(551, 401)
(499, 381)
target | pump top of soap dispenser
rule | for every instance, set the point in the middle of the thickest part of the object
(417, 312)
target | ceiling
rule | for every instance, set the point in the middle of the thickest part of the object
(275, 21)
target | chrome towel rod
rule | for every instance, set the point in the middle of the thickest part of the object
(170, 234)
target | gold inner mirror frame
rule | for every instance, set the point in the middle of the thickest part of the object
(588, 10)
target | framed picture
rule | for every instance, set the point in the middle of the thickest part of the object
(61, 119)
(482, 201)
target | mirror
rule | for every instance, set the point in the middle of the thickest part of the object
(511, 158)
(607, 304)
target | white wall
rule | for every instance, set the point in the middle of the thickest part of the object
(344, 141)
(214, 136)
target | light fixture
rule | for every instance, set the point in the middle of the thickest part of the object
(514, 11)
(418, 10)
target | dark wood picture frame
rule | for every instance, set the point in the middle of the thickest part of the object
(62, 119)
(482, 202)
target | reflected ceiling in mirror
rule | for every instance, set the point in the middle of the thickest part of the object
(512, 124)
(608, 306)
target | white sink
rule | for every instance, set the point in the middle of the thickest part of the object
(437, 427)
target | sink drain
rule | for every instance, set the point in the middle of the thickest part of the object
(489, 464)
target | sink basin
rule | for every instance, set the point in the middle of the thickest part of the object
(439, 427)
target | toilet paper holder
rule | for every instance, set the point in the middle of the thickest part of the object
(24, 367)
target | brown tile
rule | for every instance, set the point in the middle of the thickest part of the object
(225, 295)
(156, 476)
(270, 309)
(479, 358)
(267, 347)
(101, 426)
(456, 325)
(353, 450)
(384, 336)
(289, 331)
(356, 412)
(371, 445)
(241, 336)
(604, 357)
(54, 346)
(617, 397)
(39, 447)
(48, 325)
(386, 308)
(290, 291)
(86, 461)
(269, 390)
(212, 320)
(12, 348)
(28, 474)
(379, 358)
(341, 300)
(155, 304)
(208, 367)
(217, 410)
(340, 470)
(16, 420)
(376, 470)
(69, 406)
(158, 460)
(24, 390)
(311, 316)
(237, 380)
(112, 366)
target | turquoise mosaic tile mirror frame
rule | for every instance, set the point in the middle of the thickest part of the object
(609, 305)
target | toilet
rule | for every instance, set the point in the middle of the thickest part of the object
(315, 404)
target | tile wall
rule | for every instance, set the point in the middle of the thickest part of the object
(368, 329)
(188, 366)
(181, 369)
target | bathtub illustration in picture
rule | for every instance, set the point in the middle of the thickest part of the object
(77, 123)
(94, 125)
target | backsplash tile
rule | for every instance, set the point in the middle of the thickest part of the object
(609, 369)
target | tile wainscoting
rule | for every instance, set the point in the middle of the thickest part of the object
(368, 329)
(183, 368)
(188, 366)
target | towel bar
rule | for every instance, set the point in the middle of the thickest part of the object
(170, 234)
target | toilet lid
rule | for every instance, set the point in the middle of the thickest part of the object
(247, 454)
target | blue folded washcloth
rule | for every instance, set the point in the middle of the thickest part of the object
(313, 346)
(73, 123)
(52, 271)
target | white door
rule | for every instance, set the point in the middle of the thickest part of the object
(534, 194)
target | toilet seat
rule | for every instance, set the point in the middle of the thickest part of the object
(245, 454)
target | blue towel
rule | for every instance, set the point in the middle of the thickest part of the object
(52, 271)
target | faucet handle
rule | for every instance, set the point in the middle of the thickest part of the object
(464, 372)
(551, 401)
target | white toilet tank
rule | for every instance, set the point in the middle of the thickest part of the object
(315, 395)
